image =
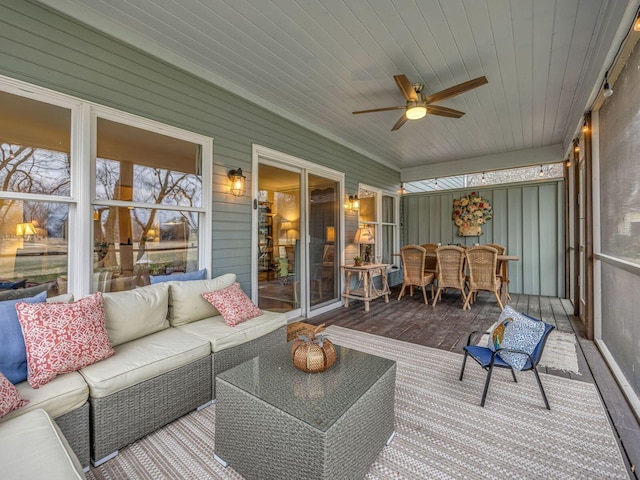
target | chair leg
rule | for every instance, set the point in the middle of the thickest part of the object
(437, 296)
(464, 362)
(513, 374)
(499, 301)
(424, 294)
(544, 396)
(466, 302)
(404, 285)
(486, 386)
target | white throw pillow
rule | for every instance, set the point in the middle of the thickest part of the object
(136, 313)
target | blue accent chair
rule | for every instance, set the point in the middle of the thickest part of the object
(488, 359)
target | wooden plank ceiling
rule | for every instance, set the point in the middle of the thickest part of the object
(317, 61)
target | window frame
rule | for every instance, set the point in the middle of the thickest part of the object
(83, 144)
(379, 223)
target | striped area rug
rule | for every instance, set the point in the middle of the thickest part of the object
(441, 431)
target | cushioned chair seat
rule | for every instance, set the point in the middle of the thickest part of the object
(33, 447)
(61, 395)
(222, 336)
(143, 359)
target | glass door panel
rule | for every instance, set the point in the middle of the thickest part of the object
(323, 233)
(278, 246)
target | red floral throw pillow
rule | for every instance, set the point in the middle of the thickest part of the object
(9, 396)
(233, 304)
(63, 337)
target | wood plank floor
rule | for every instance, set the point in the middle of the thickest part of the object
(446, 326)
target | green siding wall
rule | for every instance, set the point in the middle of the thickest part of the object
(45, 48)
(528, 219)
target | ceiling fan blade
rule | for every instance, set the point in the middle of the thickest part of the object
(444, 111)
(406, 87)
(401, 121)
(379, 109)
(456, 90)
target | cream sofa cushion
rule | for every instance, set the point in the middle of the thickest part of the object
(222, 336)
(32, 446)
(135, 313)
(185, 299)
(61, 395)
(143, 359)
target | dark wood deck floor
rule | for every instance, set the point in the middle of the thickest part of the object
(446, 326)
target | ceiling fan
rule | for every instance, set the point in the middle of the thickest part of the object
(418, 104)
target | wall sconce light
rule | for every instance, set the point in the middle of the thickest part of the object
(608, 91)
(354, 202)
(237, 182)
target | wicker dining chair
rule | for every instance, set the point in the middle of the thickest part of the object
(450, 264)
(501, 265)
(413, 257)
(482, 262)
(430, 262)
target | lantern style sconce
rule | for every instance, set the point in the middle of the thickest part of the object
(354, 202)
(237, 182)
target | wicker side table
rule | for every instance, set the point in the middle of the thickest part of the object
(276, 422)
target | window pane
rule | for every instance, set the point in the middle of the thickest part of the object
(141, 166)
(368, 212)
(34, 146)
(387, 209)
(620, 167)
(132, 243)
(387, 245)
(33, 251)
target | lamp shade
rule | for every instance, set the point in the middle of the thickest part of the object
(25, 229)
(365, 236)
(331, 234)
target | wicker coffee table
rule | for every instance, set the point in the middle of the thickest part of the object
(274, 421)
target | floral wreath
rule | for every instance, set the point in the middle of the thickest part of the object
(471, 210)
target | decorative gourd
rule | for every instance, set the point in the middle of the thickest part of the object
(313, 353)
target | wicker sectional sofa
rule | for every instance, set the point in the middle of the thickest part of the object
(170, 343)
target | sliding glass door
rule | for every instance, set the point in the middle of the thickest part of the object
(297, 235)
(324, 214)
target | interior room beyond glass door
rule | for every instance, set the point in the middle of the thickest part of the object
(279, 243)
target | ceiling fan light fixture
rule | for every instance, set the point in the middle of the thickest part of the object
(416, 112)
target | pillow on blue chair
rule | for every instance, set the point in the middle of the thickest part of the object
(199, 275)
(516, 331)
(13, 353)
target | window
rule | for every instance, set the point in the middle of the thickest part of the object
(379, 210)
(137, 171)
(68, 223)
(481, 179)
(35, 179)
